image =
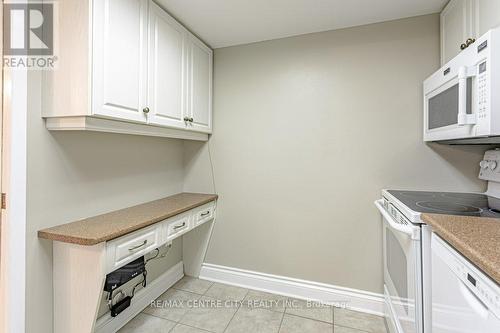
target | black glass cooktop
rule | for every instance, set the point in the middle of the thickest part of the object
(451, 203)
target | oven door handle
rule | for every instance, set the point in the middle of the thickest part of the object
(409, 230)
(464, 73)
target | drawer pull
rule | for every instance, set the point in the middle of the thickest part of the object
(138, 246)
(180, 226)
(205, 214)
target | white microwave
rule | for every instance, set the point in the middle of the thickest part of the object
(462, 99)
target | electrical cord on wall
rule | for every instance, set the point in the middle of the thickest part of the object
(212, 166)
(143, 282)
(155, 256)
(215, 191)
(169, 246)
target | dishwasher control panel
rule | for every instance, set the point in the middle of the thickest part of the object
(482, 286)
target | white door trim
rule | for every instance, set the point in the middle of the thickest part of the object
(354, 299)
(13, 270)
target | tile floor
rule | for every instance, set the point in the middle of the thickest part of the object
(199, 306)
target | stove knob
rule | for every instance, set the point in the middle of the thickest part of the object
(492, 165)
(483, 164)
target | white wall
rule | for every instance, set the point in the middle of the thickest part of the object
(307, 131)
(77, 175)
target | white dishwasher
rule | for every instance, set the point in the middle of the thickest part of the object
(464, 300)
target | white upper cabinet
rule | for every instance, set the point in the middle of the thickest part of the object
(466, 19)
(200, 86)
(180, 75)
(487, 15)
(456, 28)
(139, 72)
(120, 59)
(167, 69)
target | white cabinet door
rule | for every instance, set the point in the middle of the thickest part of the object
(200, 86)
(487, 15)
(119, 79)
(456, 27)
(167, 68)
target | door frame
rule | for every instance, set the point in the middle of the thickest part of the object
(13, 177)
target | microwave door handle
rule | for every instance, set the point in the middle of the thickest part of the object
(464, 73)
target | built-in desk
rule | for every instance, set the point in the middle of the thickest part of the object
(85, 251)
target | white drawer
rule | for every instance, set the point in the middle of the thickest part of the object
(203, 213)
(129, 247)
(177, 226)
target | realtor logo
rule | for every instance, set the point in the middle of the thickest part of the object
(29, 35)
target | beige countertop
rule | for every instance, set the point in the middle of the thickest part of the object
(101, 228)
(477, 238)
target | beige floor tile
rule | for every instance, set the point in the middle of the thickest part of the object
(311, 310)
(255, 320)
(293, 324)
(342, 329)
(144, 323)
(226, 293)
(172, 305)
(179, 328)
(193, 285)
(358, 320)
(259, 299)
(210, 314)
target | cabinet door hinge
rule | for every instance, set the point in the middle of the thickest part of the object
(4, 201)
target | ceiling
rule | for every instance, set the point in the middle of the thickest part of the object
(223, 23)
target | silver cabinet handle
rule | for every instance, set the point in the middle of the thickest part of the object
(186, 119)
(138, 246)
(205, 214)
(145, 110)
(180, 226)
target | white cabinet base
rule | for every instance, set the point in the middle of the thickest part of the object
(194, 248)
(79, 273)
(87, 123)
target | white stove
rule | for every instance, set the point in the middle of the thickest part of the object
(407, 243)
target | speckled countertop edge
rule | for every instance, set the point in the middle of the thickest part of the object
(108, 226)
(476, 238)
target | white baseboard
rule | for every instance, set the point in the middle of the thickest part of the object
(108, 324)
(354, 299)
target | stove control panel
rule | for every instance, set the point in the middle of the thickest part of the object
(395, 213)
(490, 166)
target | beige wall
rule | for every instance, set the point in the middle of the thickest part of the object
(77, 175)
(308, 130)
